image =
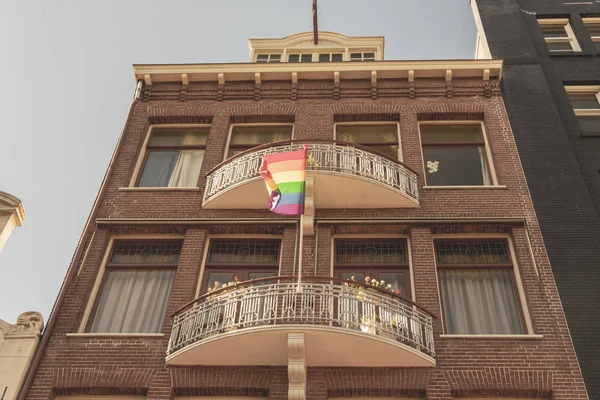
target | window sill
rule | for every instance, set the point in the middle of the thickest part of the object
(466, 187)
(570, 53)
(158, 189)
(509, 337)
(94, 334)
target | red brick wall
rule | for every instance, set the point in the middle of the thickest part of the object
(540, 367)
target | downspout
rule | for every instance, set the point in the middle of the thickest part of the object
(70, 273)
(296, 246)
(316, 246)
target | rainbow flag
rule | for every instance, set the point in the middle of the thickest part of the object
(285, 176)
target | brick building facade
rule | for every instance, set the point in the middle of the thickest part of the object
(445, 216)
(551, 64)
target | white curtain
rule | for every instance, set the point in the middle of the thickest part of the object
(187, 169)
(484, 168)
(480, 302)
(133, 302)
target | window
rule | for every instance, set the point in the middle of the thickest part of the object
(300, 58)
(362, 56)
(136, 287)
(173, 157)
(246, 259)
(454, 154)
(379, 137)
(244, 137)
(381, 259)
(268, 58)
(330, 57)
(558, 35)
(593, 27)
(586, 104)
(477, 287)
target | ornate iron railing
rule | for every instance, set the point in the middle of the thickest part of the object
(324, 302)
(325, 156)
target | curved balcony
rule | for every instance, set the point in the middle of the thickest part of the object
(250, 324)
(346, 175)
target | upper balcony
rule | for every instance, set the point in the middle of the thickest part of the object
(260, 322)
(345, 175)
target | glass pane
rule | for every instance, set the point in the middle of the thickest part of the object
(358, 276)
(396, 279)
(593, 29)
(355, 56)
(365, 134)
(306, 57)
(391, 151)
(244, 252)
(471, 252)
(133, 302)
(146, 253)
(323, 57)
(256, 135)
(454, 166)
(451, 133)
(336, 57)
(584, 100)
(480, 302)
(256, 275)
(370, 252)
(369, 56)
(554, 30)
(294, 58)
(275, 58)
(158, 168)
(179, 137)
(221, 277)
(559, 46)
(590, 126)
(262, 58)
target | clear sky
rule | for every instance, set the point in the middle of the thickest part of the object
(67, 84)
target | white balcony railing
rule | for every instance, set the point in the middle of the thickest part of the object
(322, 302)
(324, 156)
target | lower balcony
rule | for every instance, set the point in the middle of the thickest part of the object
(340, 323)
(345, 175)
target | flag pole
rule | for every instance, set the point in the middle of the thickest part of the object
(301, 244)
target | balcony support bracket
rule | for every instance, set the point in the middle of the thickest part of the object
(296, 367)
(308, 219)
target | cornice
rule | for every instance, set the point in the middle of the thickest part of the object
(226, 72)
(12, 204)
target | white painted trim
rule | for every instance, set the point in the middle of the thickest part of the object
(137, 170)
(510, 337)
(232, 126)
(569, 34)
(99, 397)
(397, 123)
(102, 269)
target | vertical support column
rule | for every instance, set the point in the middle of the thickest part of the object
(296, 367)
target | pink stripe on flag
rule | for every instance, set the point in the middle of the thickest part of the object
(289, 209)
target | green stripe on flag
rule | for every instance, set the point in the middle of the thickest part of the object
(291, 187)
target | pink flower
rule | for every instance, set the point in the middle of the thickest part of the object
(368, 279)
(217, 283)
(399, 291)
(235, 278)
(352, 277)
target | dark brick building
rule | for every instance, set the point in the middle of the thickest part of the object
(414, 189)
(550, 88)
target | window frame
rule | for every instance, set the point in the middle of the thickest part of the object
(518, 287)
(105, 268)
(486, 145)
(410, 284)
(592, 21)
(300, 54)
(143, 154)
(585, 112)
(331, 54)
(569, 37)
(206, 267)
(269, 55)
(362, 55)
(233, 126)
(400, 155)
